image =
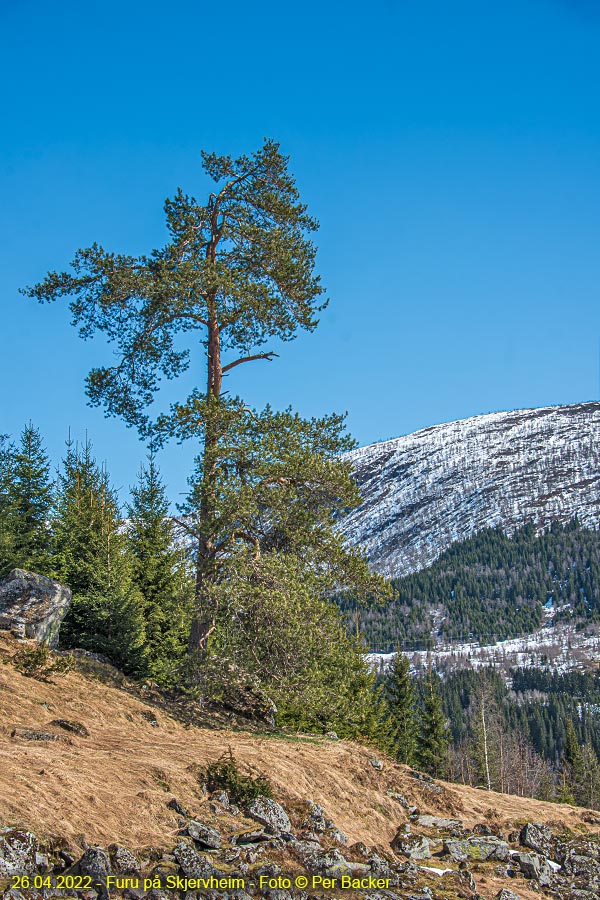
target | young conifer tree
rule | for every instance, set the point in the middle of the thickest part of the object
(581, 763)
(92, 556)
(162, 573)
(433, 738)
(30, 497)
(400, 696)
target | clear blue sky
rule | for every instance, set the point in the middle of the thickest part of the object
(451, 152)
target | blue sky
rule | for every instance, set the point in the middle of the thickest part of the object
(451, 152)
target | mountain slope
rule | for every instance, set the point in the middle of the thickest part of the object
(424, 491)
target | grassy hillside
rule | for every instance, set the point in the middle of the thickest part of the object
(114, 784)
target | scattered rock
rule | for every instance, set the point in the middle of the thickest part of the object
(584, 866)
(359, 849)
(95, 862)
(315, 820)
(336, 835)
(31, 734)
(32, 606)
(207, 837)
(438, 822)
(192, 864)
(42, 863)
(530, 864)
(251, 837)
(69, 725)
(377, 764)
(330, 863)
(426, 781)
(176, 806)
(477, 848)
(123, 861)
(17, 852)
(222, 797)
(538, 837)
(379, 866)
(270, 814)
(414, 846)
(66, 858)
(505, 894)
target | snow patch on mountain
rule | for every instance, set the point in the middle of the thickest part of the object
(424, 491)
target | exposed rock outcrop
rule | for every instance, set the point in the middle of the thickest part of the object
(273, 863)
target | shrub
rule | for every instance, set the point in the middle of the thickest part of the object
(39, 662)
(225, 775)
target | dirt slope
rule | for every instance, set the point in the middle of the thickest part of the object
(114, 784)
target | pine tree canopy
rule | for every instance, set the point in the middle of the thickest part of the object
(235, 272)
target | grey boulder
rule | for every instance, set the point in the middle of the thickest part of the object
(32, 606)
(539, 838)
(208, 838)
(270, 814)
(414, 846)
(478, 848)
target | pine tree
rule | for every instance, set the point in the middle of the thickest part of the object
(400, 697)
(235, 273)
(32, 501)
(268, 489)
(433, 738)
(106, 614)
(161, 572)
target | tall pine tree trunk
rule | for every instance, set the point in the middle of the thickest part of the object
(203, 621)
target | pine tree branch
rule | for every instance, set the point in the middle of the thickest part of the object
(244, 359)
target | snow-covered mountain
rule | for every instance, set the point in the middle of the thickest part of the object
(442, 484)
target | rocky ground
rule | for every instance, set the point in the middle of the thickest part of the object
(273, 851)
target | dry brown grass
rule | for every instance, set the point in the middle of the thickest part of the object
(114, 784)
